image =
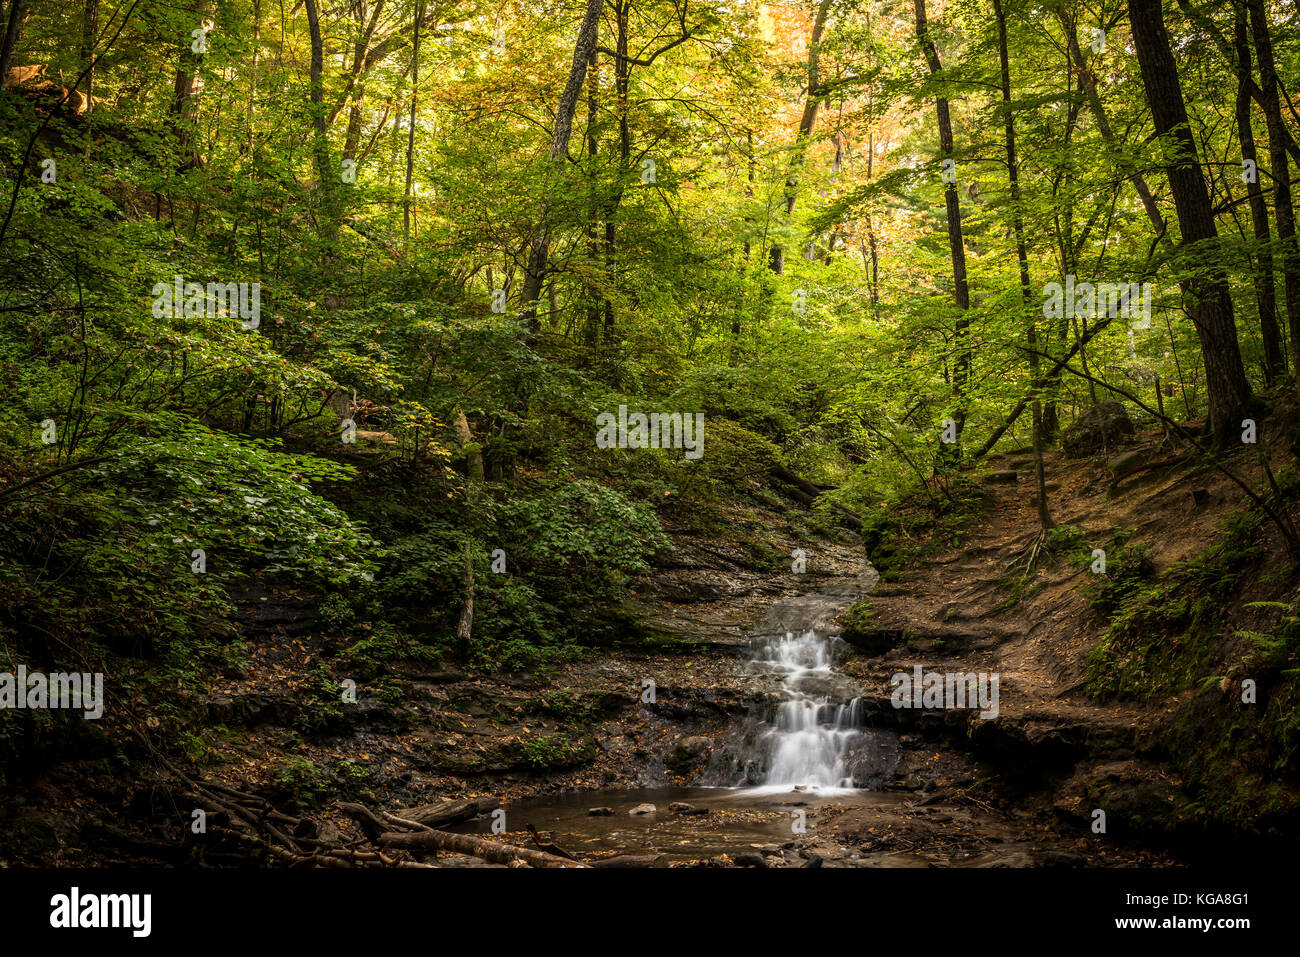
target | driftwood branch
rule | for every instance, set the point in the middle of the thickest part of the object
(480, 847)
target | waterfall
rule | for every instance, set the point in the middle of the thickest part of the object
(810, 737)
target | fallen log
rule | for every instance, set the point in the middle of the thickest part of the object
(806, 493)
(479, 847)
(448, 812)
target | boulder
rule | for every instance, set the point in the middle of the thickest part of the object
(643, 809)
(686, 751)
(681, 807)
(1102, 427)
(1002, 477)
(1126, 463)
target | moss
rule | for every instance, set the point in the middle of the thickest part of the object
(1168, 637)
(859, 619)
(556, 751)
(1163, 633)
(895, 534)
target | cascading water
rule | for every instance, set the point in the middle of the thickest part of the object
(811, 736)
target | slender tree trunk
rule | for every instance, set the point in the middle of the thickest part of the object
(89, 28)
(1265, 289)
(956, 245)
(185, 96)
(1088, 85)
(252, 79)
(540, 246)
(1282, 207)
(355, 92)
(13, 30)
(329, 212)
(1022, 257)
(871, 232)
(594, 304)
(622, 86)
(1256, 94)
(410, 136)
(1211, 305)
(776, 255)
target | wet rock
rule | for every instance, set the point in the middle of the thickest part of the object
(1102, 427)
(871, 640)
(832, 852)
(750, 860)
(681, 807)
(687, 750)
(1138, 797)
(600, 812)
(642, 809)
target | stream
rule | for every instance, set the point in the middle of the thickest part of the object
(803, 779)
(802, 759)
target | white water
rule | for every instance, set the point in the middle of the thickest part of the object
(810, 736)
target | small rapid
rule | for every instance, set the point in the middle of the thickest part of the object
(811, 735)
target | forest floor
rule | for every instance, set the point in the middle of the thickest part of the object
(1015, 790)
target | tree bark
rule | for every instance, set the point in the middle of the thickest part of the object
(956, 245)
(410, 135)
(1282, 207)
(1022, 256)
(540, 245)
(329, 215)
(1211, 302)
(184, 106)
(13, 30)
(480, 847)
(1265, 289)
(89, 27)
(1088, 84)
(776, 255)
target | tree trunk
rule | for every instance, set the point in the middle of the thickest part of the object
(1281, 175)
(184, 106)
(540, 245)
(13, 30)
(776, 255)
(89, 28)
(480, 847)
(1211, 305)
(956, 246)
(622, 86)
(410, 135)
(1088, 84)
(329, 214)
(1265, 288)
(592, 333)
(1022, 255)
